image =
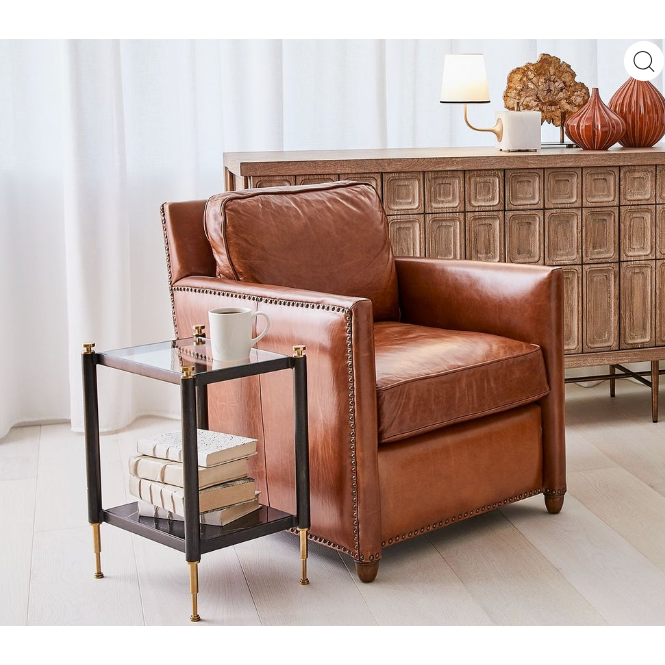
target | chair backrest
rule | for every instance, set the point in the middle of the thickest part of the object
(330, 237)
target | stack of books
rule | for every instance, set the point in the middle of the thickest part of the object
(226, 492)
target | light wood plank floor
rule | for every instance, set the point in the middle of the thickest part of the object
(601, 561)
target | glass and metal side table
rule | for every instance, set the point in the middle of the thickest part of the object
(188, 362)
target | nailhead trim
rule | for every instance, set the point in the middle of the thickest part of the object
(168, 267)
(559, 492)
(352, 425)
(462, 516)
(268, 301)
(323, 541)
(336, 546)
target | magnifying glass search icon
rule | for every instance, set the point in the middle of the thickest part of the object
(643, 60)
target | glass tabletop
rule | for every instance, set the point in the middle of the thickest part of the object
(168, 360)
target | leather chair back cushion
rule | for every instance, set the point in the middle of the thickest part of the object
(331, 238)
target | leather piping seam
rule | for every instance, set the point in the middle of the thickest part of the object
(245, 194)
(465, 418)
(348, 311)
(461, 516)
(168, 267)
(456, 370)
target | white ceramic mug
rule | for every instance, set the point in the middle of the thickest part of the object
(231, 332)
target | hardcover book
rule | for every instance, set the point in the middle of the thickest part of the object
(171, 473)
(220, 517)
(172, 498)
(213, 447)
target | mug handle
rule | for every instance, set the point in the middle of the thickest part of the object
(265, 330)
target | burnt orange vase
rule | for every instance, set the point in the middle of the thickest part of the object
(595, 126)
(642, 108)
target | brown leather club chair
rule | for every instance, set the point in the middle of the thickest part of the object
(435, 387)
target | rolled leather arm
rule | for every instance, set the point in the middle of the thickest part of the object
(341, 376)
(523, 302)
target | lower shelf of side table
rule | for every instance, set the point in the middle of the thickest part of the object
(263, 522)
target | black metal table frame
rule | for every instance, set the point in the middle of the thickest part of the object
(191, 537)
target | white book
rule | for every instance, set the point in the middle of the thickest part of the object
(171, 473)
(220, 517)
(213, 447)
(172, 498)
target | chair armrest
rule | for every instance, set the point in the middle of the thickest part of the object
(338, 332)
(523, 302)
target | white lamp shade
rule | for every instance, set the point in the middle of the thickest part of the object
(464, 79)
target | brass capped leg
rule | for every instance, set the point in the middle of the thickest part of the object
(299, 350)
(303, 555)
(88, 347)
(97, 549)
(194, 589)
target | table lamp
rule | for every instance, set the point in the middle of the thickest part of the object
(465, 82)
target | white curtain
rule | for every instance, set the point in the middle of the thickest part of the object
(95, 135)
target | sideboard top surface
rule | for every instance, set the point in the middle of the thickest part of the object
(430, 159)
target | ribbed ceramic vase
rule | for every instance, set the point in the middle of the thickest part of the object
(595, 126)
(642, 107)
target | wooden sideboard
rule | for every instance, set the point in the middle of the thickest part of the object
(600, 215)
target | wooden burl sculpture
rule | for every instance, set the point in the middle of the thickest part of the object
(548, 86)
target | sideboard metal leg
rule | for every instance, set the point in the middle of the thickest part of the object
(655, 376)
(612, 381)
(194, 589)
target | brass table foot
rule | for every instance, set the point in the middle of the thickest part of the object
(97, 549)
(303, 555)
(194, 589)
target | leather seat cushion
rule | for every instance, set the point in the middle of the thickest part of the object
(330, 238)
(427, 378)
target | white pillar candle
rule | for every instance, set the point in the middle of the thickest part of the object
(521, 130)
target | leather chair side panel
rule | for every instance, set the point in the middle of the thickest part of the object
(442, 477)
(338, 334)
(342, 424)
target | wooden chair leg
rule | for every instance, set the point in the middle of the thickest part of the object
(367, 571)
(655, 376)
(554, 504)
(612, 381)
